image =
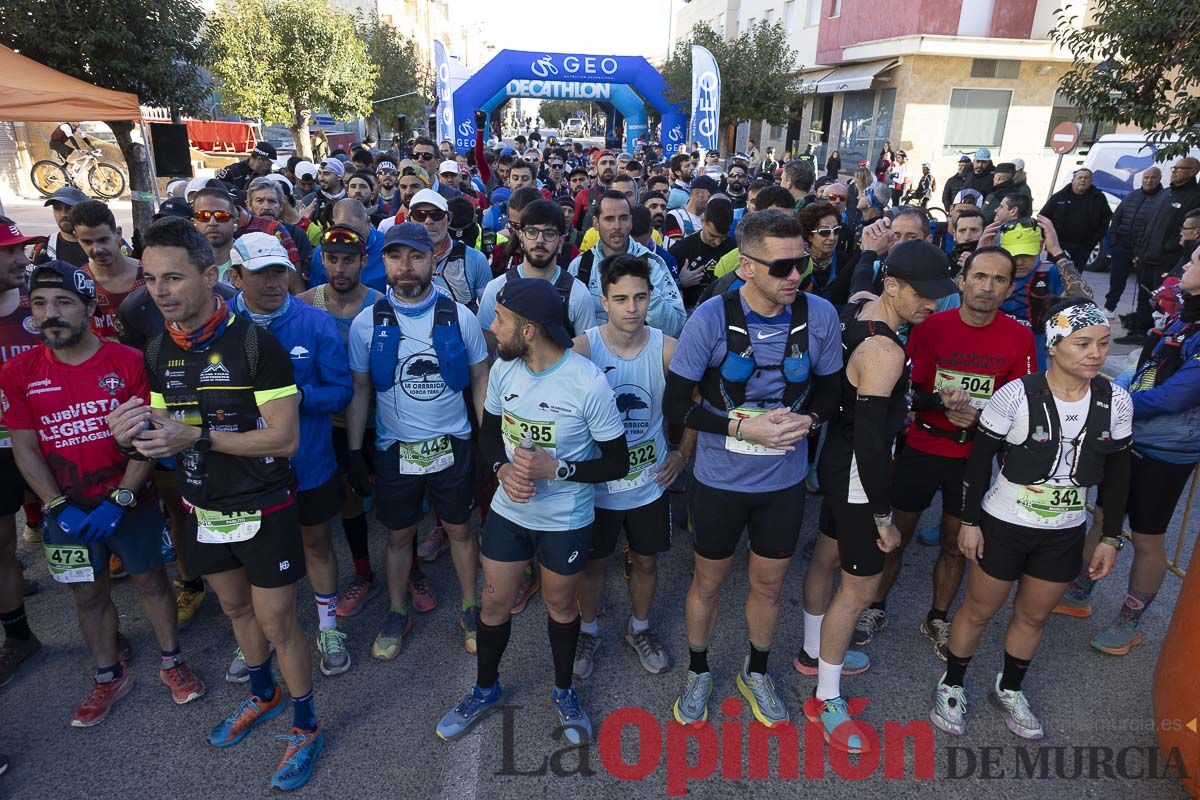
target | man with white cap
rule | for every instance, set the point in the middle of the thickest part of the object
(306, 176)
(261, 159)
(460, 270)
(319, 206)
(449, 174)
(981, 179)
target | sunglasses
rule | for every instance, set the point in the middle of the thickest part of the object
(421, 215)
(424, 156)
(832, 197)
(545, 234)
(555, 165)
(827, 232)
(385, 172)
(1013, 224)
(340, 236)
(780, 267)
(219, 216)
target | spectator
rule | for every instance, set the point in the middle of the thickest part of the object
(1004, 184)
(1125, 229)
(1080, 213)
(833, 165)
(956, 182)
(981, 178)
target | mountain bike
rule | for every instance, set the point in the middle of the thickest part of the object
(83, 170)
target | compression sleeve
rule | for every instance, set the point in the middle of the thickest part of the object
(978, 473)
(927, 401)
(862, 272)
(612, 464)
(826, 397)
(491, 443)
(680, 409)
(871, 450)
(1118, 467)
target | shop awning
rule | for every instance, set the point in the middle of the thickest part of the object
(810, 80)
(854, 77)
(33, 92)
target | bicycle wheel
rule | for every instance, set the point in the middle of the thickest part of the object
(48, 177)
(106, 181)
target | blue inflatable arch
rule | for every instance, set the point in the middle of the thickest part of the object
(632, 71)
(619, 97)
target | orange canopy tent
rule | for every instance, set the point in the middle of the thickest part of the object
(33, 92)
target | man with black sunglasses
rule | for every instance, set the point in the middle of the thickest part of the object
(424, 152)
(766, 360)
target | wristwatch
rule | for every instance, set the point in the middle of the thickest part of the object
(1113, 541)
(125, 498)
(883, 520)
(564, 470)
(204, 443)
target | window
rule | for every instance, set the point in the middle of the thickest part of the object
(721, 24)
(837, 8)
(977, 118)
(789, 15)
(995, 68)
(814, 14)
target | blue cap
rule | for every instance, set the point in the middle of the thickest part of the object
(500, 194)
(983, 154)
(55, 274)
(409, 234)
(964, 157)
(705, 183)
(538, 301)
(508, 151)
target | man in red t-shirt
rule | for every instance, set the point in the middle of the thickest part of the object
(959, 359)
(115, 274)
(97, 499)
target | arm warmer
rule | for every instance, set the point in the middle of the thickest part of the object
(978, 474)
(826, 398)
(1118, 469)
(871, 451)
(612, 464)
(927, 401)
(491, 443)
(862, 272)
(680, 409)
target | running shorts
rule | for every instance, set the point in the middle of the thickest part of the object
(561, 552)
(647, 529)
(719, 516)
(1011, 550)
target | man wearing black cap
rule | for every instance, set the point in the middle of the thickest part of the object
(98, 500)
(261, 159)
(62, 244)
(855, 466)
(686, 220)
(956, 182)
(550, 431)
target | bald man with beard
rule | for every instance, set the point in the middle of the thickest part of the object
(350, 212)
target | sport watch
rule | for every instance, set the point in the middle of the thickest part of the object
(883, 520)
(125, 498)
(204, 443)
(1113, 541)
(564, 470)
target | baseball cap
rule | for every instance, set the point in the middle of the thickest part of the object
(968, 196)
(385, 165)
(508, 151)
(1006, 168)
(68, 196)
(1021, 237)
(742, 157)
(11, 236)
(410, 234)
(983, 154)
(927, 164)
(1019, 164)
(961, 158)
(174, 207)
(264, 149)
(334, 165)
(500, 194)
(195, 185)
(448, 166)
(255, 251)
(538, 301)
(283, 182)
(55, 274)
(706, 183)
(305, 168)
(924, 266)
(430, 197)
(342, 239)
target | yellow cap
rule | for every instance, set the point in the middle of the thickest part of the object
(1022, 240)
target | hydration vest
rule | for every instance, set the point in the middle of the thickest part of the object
(1034, 460)
(725, 387)
(454, 274)
(1038, 299)
(563, 283)
(453, 363)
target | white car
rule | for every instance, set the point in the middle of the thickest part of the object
(574, 127)
(1117, 161)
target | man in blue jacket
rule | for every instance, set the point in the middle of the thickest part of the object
(323, 378)
(1165, 387)
(350, 212)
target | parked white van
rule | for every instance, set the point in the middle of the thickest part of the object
(1117, 161)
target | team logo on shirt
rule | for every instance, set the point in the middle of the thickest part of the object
(421, 377)
(112, 382)
(635, 406)
(29, 325)
(216, 371)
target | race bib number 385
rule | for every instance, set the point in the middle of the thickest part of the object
(543, 433)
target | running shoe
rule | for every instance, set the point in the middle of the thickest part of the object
(116, 568)
(649, 651)
(949, 713)
(32, 534)
(187, 603)
(930, 537)
(360, 592)
(469, 622)
(759, 691)
(938, 632)
(395, 627)
(13, 652)
(335, 658)
(249, 713)
(1118, 638)
(531, 584)
(872, 621)
(436, 543)
(1017, 714)
(1075, 603)
(571, 716)
(238, 672)
(184, 684)
(831, 714)
(692, 703)
(585, 656)
(100, 700)
(423, 599)
(296, 766)
(475, 706)
(855, 662)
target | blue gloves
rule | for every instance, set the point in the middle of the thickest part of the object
(101, 523)
(69, 517)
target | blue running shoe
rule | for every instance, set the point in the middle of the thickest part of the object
(571, 716)
(296, 766)
(830, 714)
(692, 703)
(249, 713)
(474, 707)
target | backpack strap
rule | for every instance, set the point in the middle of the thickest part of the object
(385, 346)
(585, 267)
(795, 392)
(251, 344)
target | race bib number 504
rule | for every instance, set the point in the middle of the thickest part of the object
(979, 388)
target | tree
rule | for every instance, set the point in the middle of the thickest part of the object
(760, 74)
(554, 112)
(422, 368)
(628, 401)
(147, 47)
(283, 60)
(401, 70)
(1136, 62)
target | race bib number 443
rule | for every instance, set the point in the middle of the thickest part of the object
(427, 457)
